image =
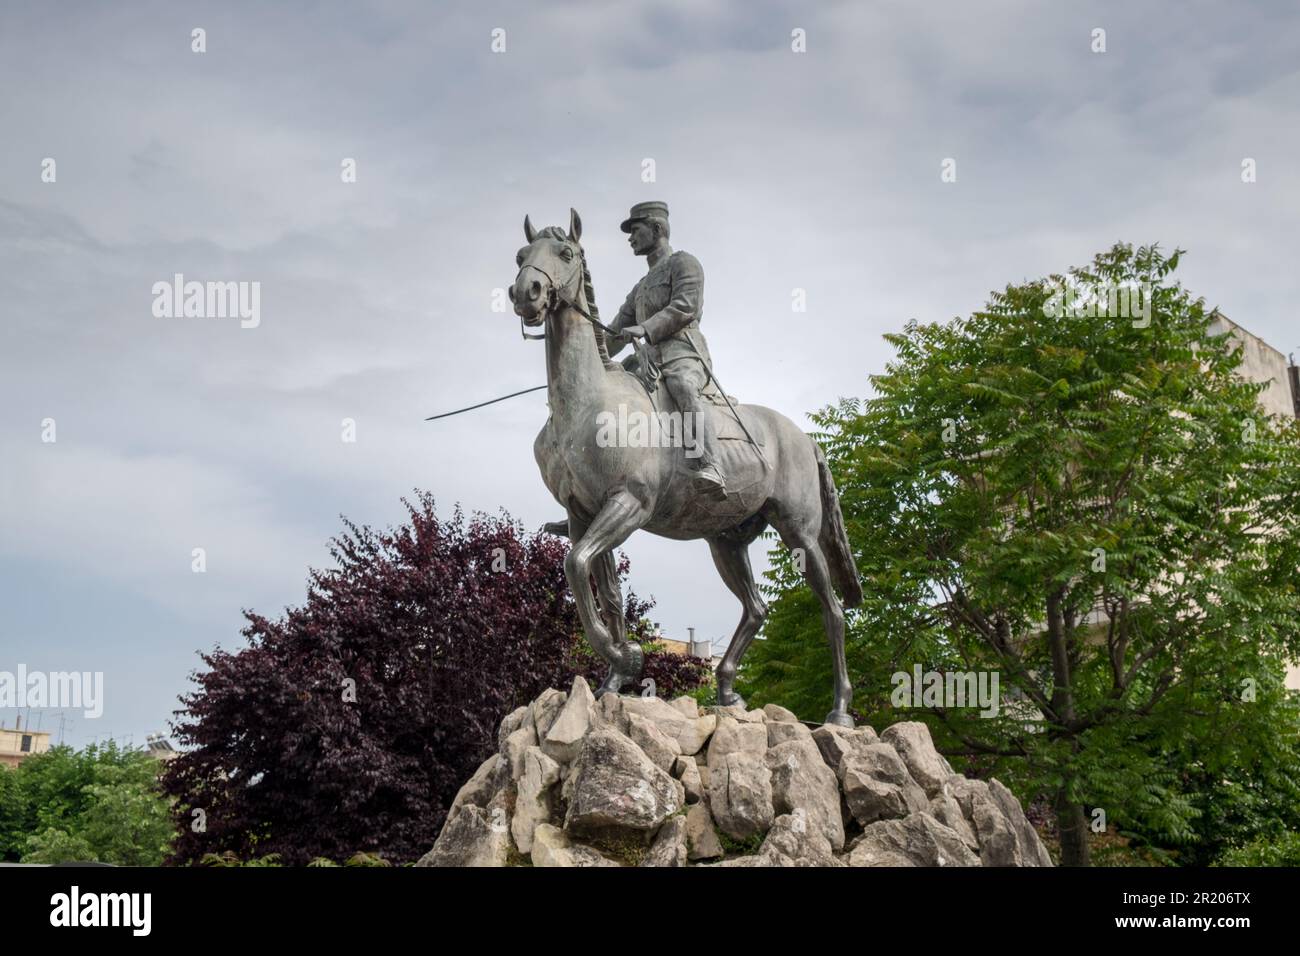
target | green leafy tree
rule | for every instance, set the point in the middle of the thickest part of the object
(58, 846)
(128, 824)
(1093, 507)
(1283, 850)
(101, 803)
(11, 811)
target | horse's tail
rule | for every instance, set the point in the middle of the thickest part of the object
(834, 539)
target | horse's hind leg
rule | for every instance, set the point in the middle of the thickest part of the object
(621, 515)
(732, 561)
(796, 535)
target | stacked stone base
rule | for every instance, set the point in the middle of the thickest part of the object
(648, 782)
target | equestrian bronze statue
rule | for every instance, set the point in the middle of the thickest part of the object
(691, 464)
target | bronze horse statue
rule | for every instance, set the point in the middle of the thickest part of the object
(776, 475)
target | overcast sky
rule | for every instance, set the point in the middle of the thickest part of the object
(817, 170)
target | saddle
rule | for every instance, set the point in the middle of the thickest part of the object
(740, 455)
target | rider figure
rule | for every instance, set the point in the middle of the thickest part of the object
(664, 308)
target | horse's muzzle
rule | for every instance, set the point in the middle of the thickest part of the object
(530, 301)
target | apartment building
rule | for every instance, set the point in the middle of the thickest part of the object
(17, 745)
(1261, 362)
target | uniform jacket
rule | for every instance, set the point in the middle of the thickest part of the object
(668, 303)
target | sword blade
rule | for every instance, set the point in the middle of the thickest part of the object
(490, 401)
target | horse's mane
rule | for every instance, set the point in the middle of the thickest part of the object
(558, 232)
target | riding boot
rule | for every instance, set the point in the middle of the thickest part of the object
(702, 454)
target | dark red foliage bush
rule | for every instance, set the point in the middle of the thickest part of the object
(350, 723)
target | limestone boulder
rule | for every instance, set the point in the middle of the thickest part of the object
(476, 837)
(533, 804)
(702, 841)
(802, 784)
(691, 733)
(687, 771)
(947, 811)
(791, 842)
(659, 747)
(614, 786)
(779, 731)
(543, 711)
(733, 736)
(516, 746)
(669, 846)
(877, 784)
(687, 706)
(912, 741)
(740, 794)
(565, 734)
(869, 799)
(1030, 846)
(739, 713)
(510, 723)
(916, 840)
(552, 847)
(775, 712)
(836, 742)
(997, 839)
(488, 779)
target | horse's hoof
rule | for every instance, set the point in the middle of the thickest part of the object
(619, 677)
(636, 662)
(612, 684)
(730, 699)
(839, 718)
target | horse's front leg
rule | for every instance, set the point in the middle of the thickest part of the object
(610, 595)
(614, 523)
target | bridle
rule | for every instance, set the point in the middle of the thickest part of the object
(557, 294)
(649, 375)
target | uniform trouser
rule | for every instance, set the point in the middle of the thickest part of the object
(686, 378)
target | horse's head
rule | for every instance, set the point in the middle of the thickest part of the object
(550, 270)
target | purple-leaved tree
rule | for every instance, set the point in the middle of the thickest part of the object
(349, 724)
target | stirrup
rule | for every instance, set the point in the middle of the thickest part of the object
(710, 480)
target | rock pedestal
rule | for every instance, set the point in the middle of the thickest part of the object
(631, 781)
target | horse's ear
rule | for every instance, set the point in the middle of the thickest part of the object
(575, 225)
(529, 232)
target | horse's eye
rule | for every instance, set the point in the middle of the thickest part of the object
(519, 259)
(567, 253)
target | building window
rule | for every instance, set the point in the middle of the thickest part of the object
(27, 743)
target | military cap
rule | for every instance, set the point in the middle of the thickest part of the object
(645, 210)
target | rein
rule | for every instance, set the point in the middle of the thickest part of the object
(556, 292)
(650, 375)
